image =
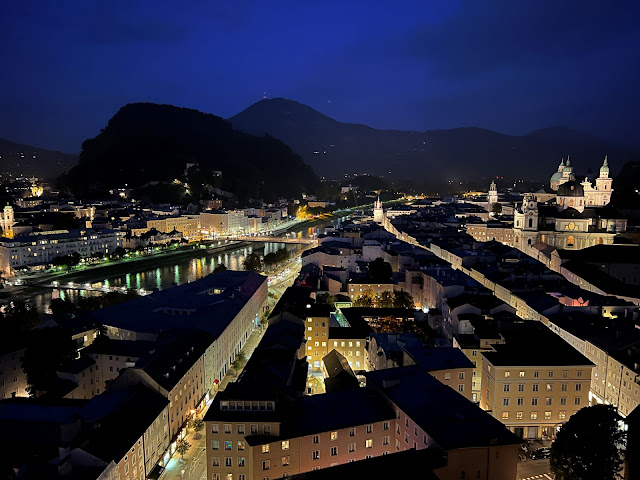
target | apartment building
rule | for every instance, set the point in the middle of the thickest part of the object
(13, 380)
(534, 394)
(38, 249)
(357, 288)
(218, 222)
(188, 225)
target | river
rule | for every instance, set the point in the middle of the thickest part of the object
(169, 271)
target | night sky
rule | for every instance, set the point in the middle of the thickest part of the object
(511, 66)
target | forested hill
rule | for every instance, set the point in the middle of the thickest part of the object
(146, 142)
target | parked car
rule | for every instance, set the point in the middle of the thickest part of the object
(544, 452)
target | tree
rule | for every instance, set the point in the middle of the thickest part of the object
(182, 448)
(253, 262)
(364, 300)
(239, 361)
(588, 446)
(47, 349)
(198, 425)
(219, 268)
(380, 271)
(386, 300)
(496, 208)
(403, 299)
(119, 252)
(60, 308)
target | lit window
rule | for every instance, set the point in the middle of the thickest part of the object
(369, 443)
(265, 448)
(285, 445)
(334, 435)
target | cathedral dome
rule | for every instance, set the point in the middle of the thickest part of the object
(571, 189)
(556, 177)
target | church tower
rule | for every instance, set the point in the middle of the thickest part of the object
(525, 223)
(492, 197)
(603, 184)
(7, 222)
(378, 213)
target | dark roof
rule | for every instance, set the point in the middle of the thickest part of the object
(125, 348)
(77, 365)
(521, 335)
(571, 188)
(340, 376)
(192, 305)
(174, 354)
(447, 417)
(126, 423)
(434, 359)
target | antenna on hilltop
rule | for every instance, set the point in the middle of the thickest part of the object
(265, 95)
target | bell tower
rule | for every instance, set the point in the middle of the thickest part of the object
(378, 213)
(603, 184)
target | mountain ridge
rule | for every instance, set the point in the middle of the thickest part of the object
(329, 145)
(48, 163)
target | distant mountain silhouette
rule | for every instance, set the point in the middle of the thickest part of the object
(334, 148)
(19, 159)
(146, 142)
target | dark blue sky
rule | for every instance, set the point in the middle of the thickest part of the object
(508, 65)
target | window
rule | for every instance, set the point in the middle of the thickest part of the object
(520, 401)
(563, 400)
(228, 445)
(216, 461)
(521, 373)
(369, 428)
(254, 429)
(521, 387)
(352, 447)
(368, 443)
(215, 445)
(461, 387)
(385, 440)
(577, 401)
(536, 374)
(227, 428)
(334, 435)
(578, 387)
(549, 387)
(352, 432)
(563, 387)
(534, 415)
(285, 445)
(460, 375)
(534, 401)
(565, 373)
(267, 429)
(505, 402)
(562, 415)
(266, 464)
(518, 415)
(241, 429)
(507, 374)
(316, 439)
(214, 428)
(241, 444)
(334, 451)
(385, 425)
(316, 454)
(550, 374)
(547, 415)
(228, 462)
(535, 387)
(505, 415)
(265, 448)
(506, 387)
(579, 373)
(286, 460)
(474, 353)
(447, 376)
(548, 400)
(241, 461)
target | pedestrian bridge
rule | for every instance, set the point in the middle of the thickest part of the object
(267, 238)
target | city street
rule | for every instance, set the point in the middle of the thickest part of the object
(534, 469)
